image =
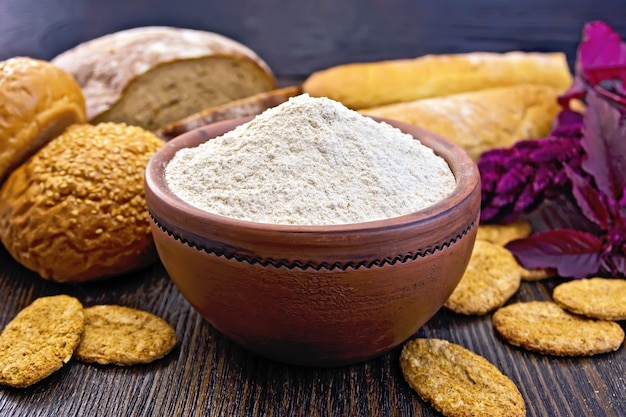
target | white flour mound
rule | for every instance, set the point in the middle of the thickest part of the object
(310, 161)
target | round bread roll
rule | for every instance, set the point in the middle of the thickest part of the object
(39, 100)
(75, 211)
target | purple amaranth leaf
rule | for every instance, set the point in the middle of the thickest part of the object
(619, 266)
(588, 200)
(572, 253)
(577, 91)
(501, 200)
(604, 141)
(554, 149)
(527, 200)
(560, 179)
(601, 57)
(494, 156)
(514, 179)
(620, 259)
(614, 263)
(542, 179)
(569, 124)
(489, 213)
(601, 54)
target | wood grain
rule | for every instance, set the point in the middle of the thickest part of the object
(297, 37)
(207, 375)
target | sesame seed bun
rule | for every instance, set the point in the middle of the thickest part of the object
(75, 211)
(39, 100)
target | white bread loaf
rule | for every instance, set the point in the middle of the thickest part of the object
(370, 84)
(151, 76)
(481, 120)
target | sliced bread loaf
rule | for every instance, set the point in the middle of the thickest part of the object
(248, 106)
(152, 76)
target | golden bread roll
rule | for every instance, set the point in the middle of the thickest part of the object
(75, 210)
(363, 85)
(481, 120)
(154, 75)
(38, 101)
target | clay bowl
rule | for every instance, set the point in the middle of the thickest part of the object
(316, 295)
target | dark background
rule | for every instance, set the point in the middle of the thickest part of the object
(297, 37)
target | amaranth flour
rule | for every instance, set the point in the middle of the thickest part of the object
(310, 161)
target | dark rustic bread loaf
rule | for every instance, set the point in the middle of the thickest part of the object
(152, 76)
(249, 106)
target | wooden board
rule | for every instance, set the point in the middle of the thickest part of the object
(298, 37)
(208, 375)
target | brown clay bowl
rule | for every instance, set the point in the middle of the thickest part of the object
(316, 295)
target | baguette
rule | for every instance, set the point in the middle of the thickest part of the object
(481, 120)
(364, 85)
(154, 75)
(249, 106)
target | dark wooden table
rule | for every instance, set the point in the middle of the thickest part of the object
(210, 376)
(207, 374)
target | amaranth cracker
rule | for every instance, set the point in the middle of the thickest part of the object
(40, 340)
(537, 274)
(123, 336)
(491, 278)
(544, 327)
(600, 298)
(458, 382)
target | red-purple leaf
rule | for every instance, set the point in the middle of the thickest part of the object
(571, 252)
(526, 200)
(513, 179)
(620, 266)
(554, 149)
(542, 179)
(569, 123)
(615, 265)
(604, 141)
(577, 90)
(588, 200)
(601, 54)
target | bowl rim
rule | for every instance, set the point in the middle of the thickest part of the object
(463, 168)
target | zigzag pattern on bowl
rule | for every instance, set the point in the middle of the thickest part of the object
(278, 263)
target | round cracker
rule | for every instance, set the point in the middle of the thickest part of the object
(123, 336)
(501, 234)
(458, 382)
(537, 274)
(40, 340)
(491, 278)
(544, 327)
(600, 298)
